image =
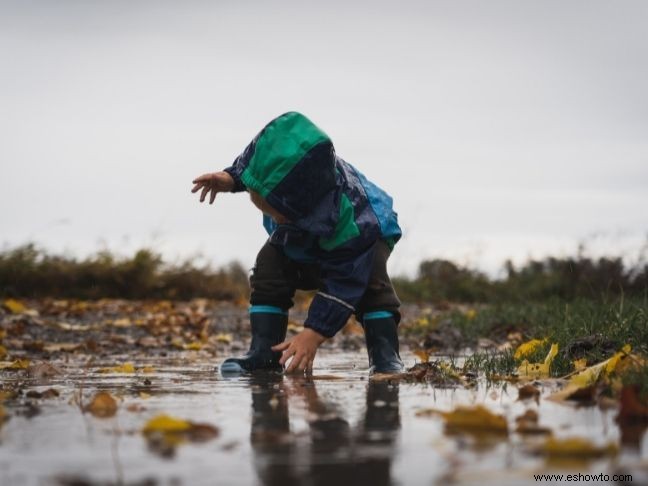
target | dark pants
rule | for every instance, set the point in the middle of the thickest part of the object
(276, 277)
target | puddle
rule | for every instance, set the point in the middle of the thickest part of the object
(336, 429)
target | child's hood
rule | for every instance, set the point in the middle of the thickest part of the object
(293, 167)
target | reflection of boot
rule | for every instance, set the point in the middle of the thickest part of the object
(381, 336)
(382, 417)
(268, 329)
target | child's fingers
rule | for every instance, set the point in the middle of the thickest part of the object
(281, 346)
(204, 193)
(294, 363)
(286, 354)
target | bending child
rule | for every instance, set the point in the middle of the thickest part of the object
(330, 229)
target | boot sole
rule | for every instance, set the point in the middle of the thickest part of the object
(232, 368)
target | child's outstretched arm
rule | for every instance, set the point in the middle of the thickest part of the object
(213, 182)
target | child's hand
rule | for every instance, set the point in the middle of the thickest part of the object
(215, 182)
(302, 348)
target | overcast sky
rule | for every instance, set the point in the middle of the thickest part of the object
(501, 128)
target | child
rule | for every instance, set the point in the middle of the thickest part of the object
(330, 229)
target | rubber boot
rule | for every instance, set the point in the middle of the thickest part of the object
(381, 335)
(268, 329)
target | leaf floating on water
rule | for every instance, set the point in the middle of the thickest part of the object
(166, 424)
(18, 364)
(102, 405)
(527, 424)
(576, 448)
(526, 349)
(538, 370)
(528, 391)
(476, 419)
(164, 433)
(124, 368)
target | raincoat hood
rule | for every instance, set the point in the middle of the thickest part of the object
(292, 165)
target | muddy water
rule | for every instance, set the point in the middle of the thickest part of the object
(335, 430)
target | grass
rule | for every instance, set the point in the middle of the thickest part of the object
(583, 328)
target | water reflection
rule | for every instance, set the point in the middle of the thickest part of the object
(332, 449)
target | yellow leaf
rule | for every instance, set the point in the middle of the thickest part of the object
(589, 376)
(144, 395)
(525, 350)
(125, 368)
(538, 370)
(122, 322)
(14, 306)
(470, 314)
(580, 364)
(477, 419)
(165, 424)
(576, 447)
(18, 364)
(196, 346)
(148, 369)
(423, 355)
(103, 405)
(225, 338)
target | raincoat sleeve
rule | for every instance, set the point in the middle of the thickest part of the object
(344, 282)
(239, 165)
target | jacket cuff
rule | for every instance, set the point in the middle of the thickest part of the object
(327, 316)
(238, 185)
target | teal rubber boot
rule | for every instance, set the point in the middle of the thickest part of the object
(381, 335)
(269, 325)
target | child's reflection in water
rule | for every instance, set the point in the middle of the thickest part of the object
(332, 450)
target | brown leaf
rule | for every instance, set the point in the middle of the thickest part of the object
(102, 405)
(528, 391)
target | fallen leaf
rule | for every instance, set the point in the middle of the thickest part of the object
(589, 376)
(124, 368)
(224, 338)
(576, 448)
(148, 369)
(14, 306)
(49, 393)
(528, 391)
(135, 408)
(526, 349)
(527, 424)
(102, 405)
(195, 346)
(580, 364)
(538, 370)
(3, 352)
(166, 424)
(423, 355)
(476, 419)
(631, 409)
(18, 364)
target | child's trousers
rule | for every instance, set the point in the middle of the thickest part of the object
(275, 278)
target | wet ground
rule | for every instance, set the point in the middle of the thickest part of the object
(337, 428)
(165, 417)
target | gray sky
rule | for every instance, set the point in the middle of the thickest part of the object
(501, 128)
